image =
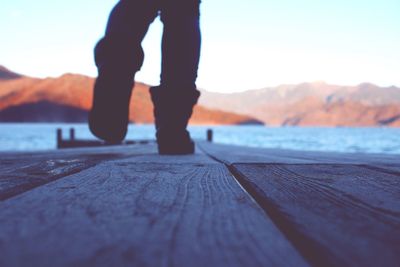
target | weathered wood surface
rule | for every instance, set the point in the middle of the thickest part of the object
(238, 154)
(21, 172)
(337, 209)
(339, 215)
(128, 206)
(142, 210)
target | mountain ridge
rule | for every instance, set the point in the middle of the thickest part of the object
(70, 96)
(304, 104)
(6, 74)
(314, 104)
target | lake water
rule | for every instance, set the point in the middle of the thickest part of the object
(31, 137)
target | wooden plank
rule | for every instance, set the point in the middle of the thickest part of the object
(129, 213)
(339, 215)
(388, 168)
(21, 172)
(239, 154)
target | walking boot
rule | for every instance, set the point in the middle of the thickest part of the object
(172, 111)
(109, 116)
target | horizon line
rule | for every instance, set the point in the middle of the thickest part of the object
(202, 88)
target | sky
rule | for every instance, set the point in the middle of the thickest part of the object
(246, 44)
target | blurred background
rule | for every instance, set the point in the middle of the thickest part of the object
(290, 74)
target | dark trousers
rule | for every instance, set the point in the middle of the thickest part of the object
(129, 21)
(119, 56)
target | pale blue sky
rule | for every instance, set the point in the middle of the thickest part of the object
(246, 44)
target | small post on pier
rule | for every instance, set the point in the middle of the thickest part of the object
(72, 134)
(59, 137)
(209, 135)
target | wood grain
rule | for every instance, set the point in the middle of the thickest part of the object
(239, 154)
(20, 172)
(338, 215)
(129, 213)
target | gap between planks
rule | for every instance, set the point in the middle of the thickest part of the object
(313, 248)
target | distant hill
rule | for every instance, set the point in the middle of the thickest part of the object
(6, 74)
(68, 99)
(314, 104)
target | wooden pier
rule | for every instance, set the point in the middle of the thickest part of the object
(223, 206)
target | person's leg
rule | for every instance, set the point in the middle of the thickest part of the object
(175, 98)
(181, 43)
(118, 57)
